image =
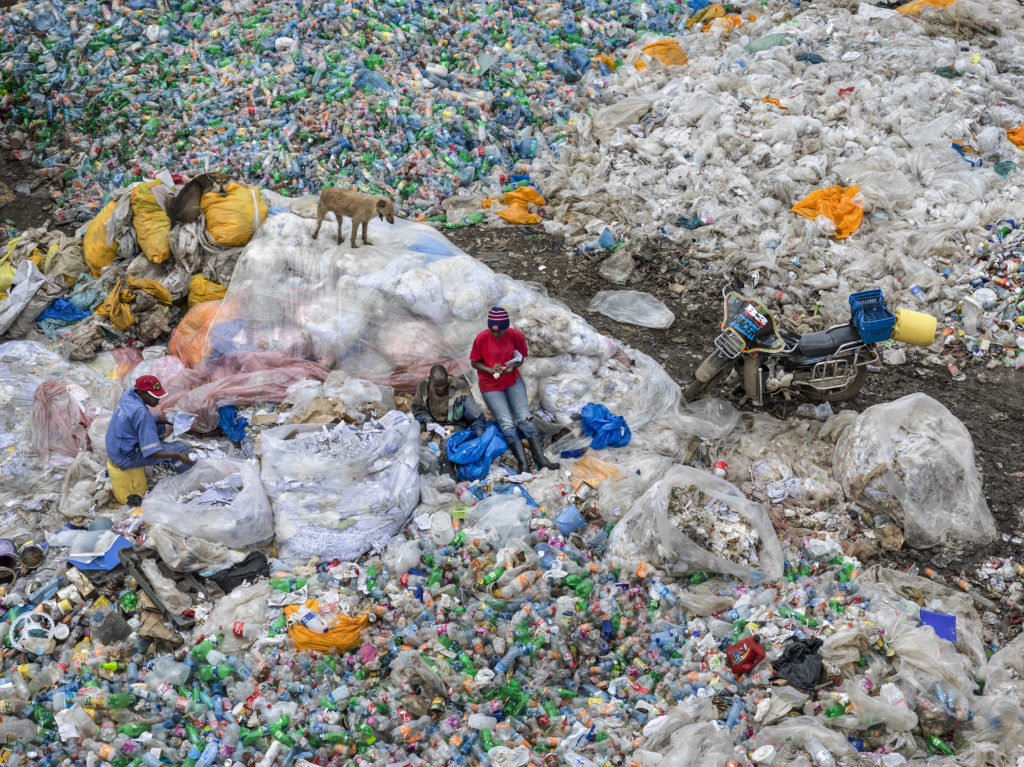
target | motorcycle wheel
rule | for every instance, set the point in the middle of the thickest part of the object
(841, 395)
(714, 368)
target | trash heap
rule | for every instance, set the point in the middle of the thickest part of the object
(533, 625)
(789, 151)
(318, 590)
(404, 98)
(989, 322)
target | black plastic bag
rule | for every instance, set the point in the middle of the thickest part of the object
(252, 568)
(800, 663)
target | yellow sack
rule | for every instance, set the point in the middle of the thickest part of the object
(97, 253)
(914, 8)
(125, 482)
(842, 206)
(1016, 137)
(6, 270)
(201, 290)
(233, 220)
(117, 306)
(668, 52)
(518, 210)
(343, 634)
(152, 224)
(706, 14)
(154, 288)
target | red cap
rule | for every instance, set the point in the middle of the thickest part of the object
(152, 385)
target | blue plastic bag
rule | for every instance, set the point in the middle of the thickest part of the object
(606, 429)
(232, 424)
(472, 455)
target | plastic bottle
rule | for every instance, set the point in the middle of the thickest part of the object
(820, 756)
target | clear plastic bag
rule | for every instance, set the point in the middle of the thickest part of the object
(914, 460)
(648, 533)
(633, 307)
(246, 520)
(500, 517)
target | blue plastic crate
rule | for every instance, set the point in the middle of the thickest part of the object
(872, 317)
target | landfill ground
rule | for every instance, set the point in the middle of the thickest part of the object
(990, 402)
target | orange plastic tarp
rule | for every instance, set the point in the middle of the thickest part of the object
(914, 8)
(842, 205)
(1016, 136)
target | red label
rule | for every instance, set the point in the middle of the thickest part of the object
(237, 628)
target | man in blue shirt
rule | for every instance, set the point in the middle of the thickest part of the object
(133, 439)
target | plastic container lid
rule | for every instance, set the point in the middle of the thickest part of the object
(764, 755)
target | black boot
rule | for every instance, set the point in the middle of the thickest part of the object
(520, 455)
(538, 455)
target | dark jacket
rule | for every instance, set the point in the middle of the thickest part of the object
(463, 412)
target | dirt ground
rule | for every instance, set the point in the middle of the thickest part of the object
(989, 402)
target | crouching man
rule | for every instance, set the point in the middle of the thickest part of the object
(133, 440)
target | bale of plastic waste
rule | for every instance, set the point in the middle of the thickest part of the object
(648, 531)
(914, 460)
(219, 499)
(339, 491)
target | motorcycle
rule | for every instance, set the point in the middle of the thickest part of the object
(828, 366)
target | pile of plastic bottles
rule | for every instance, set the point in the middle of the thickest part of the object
(406, 98)
(535, 649)
(990, 319)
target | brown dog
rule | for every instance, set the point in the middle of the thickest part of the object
(184, 208)
(357, 206)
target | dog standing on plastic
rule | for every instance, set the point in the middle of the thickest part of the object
(357, 206)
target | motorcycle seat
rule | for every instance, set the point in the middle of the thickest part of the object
(825, 342)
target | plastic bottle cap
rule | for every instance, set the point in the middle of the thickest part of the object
(61, 631)
(763, 754)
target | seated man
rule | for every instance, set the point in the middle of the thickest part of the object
(133, 440)
(443, 401)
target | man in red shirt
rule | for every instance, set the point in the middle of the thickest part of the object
(497, 355)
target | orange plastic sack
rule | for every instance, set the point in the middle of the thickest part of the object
(152, 224)
(97, 253)
(668, 52)
(1016, 137)
(343, 635)
(914, 8)
(190, 341)
(518, 210)
(202, 289)
(234, 219)
(842, 205)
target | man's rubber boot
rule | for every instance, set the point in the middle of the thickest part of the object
(520, 455)
(538, 455)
